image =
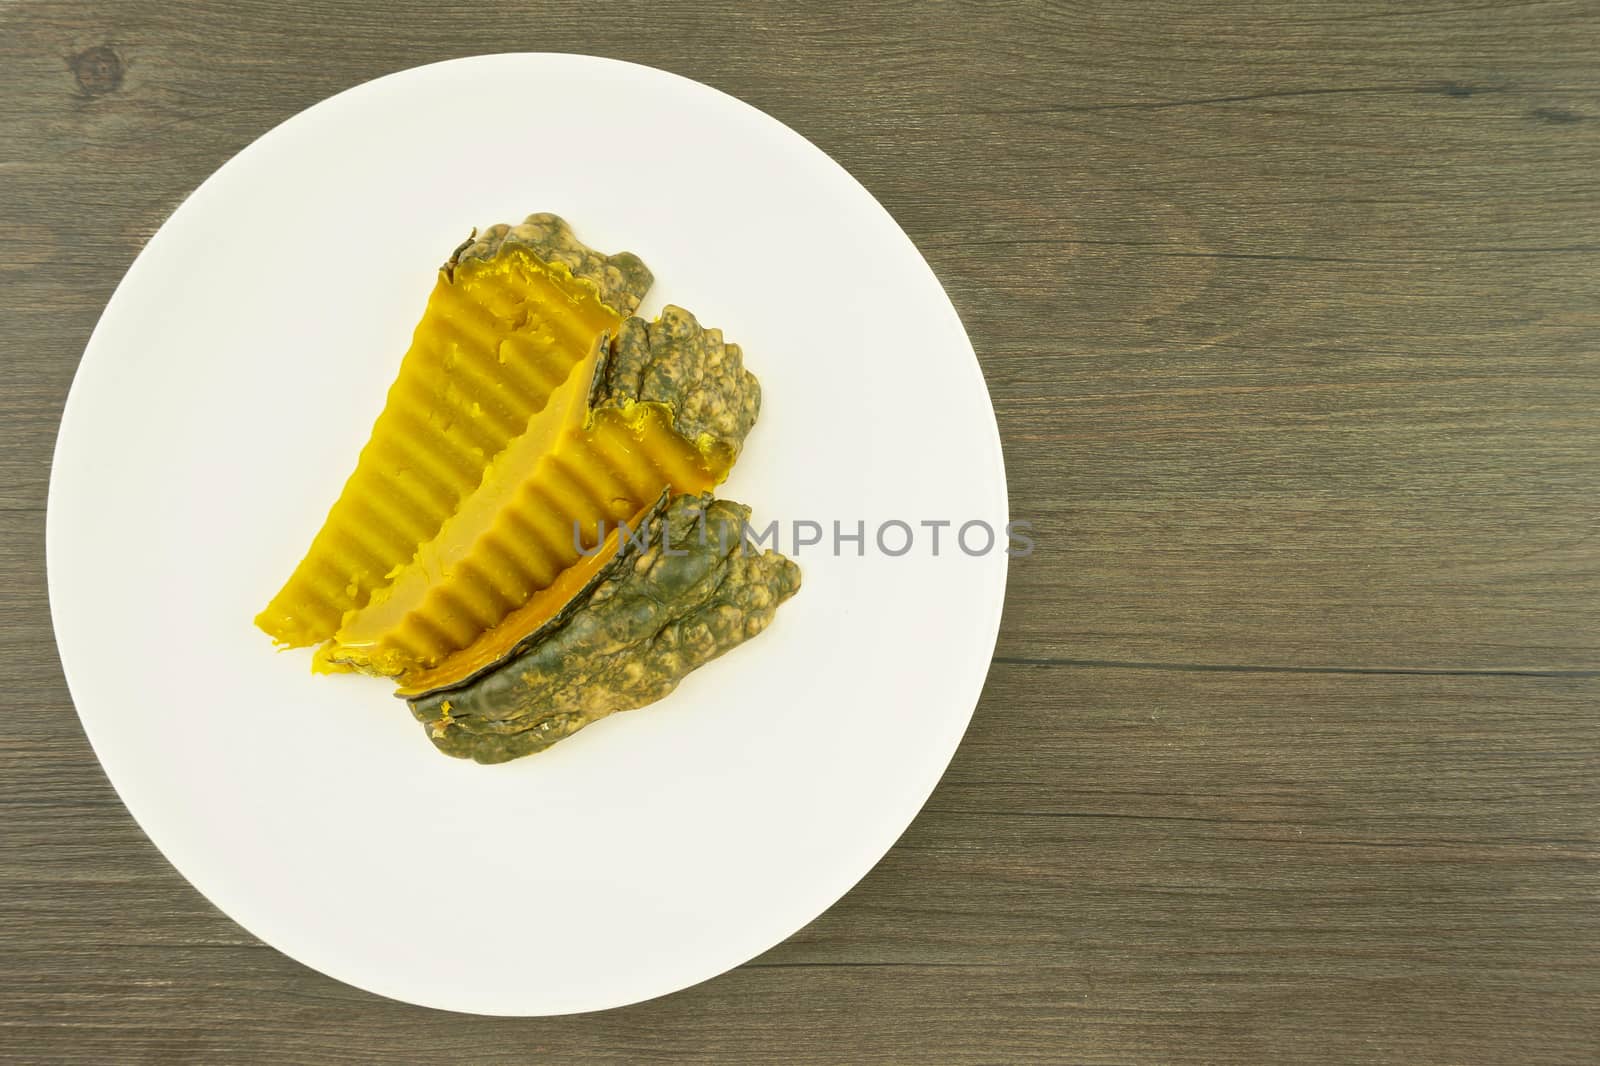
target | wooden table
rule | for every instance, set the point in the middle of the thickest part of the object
(1291, 316)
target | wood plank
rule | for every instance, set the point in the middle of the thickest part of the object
(1288, 315)
(1121, 865)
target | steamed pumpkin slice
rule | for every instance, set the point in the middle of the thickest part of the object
(663, 604)
(513, 314)
(664, 407)
(542, 611)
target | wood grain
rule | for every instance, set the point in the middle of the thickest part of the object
(1289, 313)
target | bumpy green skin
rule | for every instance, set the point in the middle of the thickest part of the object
(676, 361)
(663, 609)
(622, 279)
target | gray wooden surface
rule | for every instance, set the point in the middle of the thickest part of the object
(1291, 316)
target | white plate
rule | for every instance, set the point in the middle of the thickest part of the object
(221, 403)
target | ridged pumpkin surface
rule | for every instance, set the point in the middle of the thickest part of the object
(541, 504)
(506, 325)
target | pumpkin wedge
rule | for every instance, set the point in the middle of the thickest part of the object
(661, 605)
(514, 311)
(665, 405)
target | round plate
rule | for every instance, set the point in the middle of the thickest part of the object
(222, 401)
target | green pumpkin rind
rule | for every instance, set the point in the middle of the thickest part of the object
(680, 363)
(622, 279)
(693, 591)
